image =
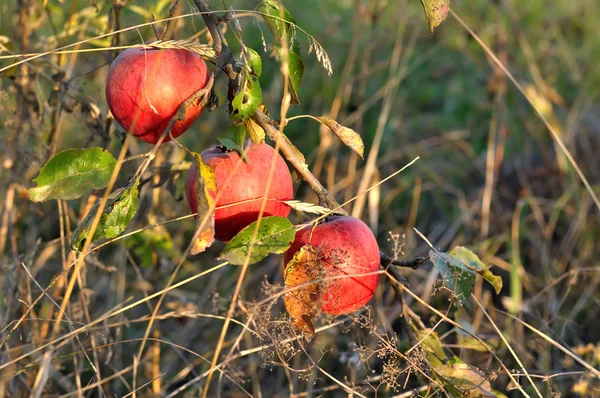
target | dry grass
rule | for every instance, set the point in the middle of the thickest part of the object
(501, 107)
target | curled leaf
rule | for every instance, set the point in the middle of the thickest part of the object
(205, 219)
(348, 136)
(275, 235)
(72, 173)
(435, 12)
(256, 133)
(118, 212)
(303, 303)
(475, 264)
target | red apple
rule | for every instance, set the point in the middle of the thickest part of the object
(346, 246)
(242, 186)
(145, 87)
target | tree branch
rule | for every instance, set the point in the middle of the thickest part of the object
(290, 153)
(325, 197)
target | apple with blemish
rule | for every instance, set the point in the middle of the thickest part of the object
(242, 186)
(146, 87)
(347, 250)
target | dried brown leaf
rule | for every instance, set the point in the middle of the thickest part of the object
(435, 12)
(303, 303)
(348, 136)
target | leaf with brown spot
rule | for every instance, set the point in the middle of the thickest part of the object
(435, 12)
(348, 136)
(303, 303)
(205, 230)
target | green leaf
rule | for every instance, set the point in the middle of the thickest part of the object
(244, 104)
(457, 277)
(348, 136)
(145, 245)
(254, 62)
(433, 345)
(435, 12)
(278, 19)
(72, 173)
(118, 212)
(281, 24)
(295, 69)
(464, 380)
(275, 235)
(234, 139)
(206, 187)
(475, 264)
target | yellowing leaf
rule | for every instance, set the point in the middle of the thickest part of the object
(475, 264)
(435, 12)
(303, 303)
(432, 343)
(256, 133)
(348, 136)
(465, 380)
(205, 220)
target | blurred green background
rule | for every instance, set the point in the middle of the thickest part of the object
(489, 176)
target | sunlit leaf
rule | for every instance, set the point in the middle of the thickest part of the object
(234, 139)
(435, 12)
(275, 235)
(254, 62)
(256, 133)
(205, 189)
(303, 303)
(348, 136)
(457, 277)
(72, 173)
(475, 264)
(465, 380)
(118, 212)
(247, 100)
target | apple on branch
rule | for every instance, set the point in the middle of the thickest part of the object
(242, 186)
(145, 88)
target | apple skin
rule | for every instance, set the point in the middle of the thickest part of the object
(248, 181)
(346, 246)
(145, 87)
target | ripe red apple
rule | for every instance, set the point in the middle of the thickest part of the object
(346, 246)
(145, 87)
(243, 186)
